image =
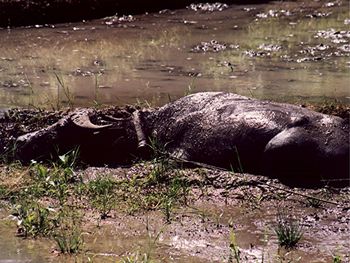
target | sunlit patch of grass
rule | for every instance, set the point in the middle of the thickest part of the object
(169, 38)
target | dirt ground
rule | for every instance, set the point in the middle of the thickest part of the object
(221, 203)
(220, 213)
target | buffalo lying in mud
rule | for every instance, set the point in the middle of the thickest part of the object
(294, 144)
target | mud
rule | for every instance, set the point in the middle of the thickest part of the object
(219, 204)
(157, 57)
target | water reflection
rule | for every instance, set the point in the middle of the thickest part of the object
(151, 57)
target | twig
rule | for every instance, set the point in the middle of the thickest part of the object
(212, 167)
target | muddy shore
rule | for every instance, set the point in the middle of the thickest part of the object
(22, 12)
(196, 223)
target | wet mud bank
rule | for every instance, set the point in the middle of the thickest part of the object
(19, 13)
(182, 215)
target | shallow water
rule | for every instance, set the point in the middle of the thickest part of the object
(275, 51)
(198, 233)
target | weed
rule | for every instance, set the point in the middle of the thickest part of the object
(237, 160)
(178, 188)
(288, 231)
(66, 91)
(136, 258)
(167, 208)
(234, 249)
(161, 161)
(313, 202)
(68, 233)
(337, 259)
(33, 220)
(4, 191)
(102, 196)
(52, 181)
(96, 92)
(69, 159)
(190, 88)
(157, 175)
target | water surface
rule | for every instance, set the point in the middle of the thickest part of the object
(279, 51)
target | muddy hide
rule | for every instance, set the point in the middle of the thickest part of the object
(115, 142)
(296, 145)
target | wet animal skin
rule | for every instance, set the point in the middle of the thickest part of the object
(294, 144)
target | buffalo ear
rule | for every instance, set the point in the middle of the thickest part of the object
(292, 156)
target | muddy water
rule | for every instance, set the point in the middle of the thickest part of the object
(199, 233)
(281, 51)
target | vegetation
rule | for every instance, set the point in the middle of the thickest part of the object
(102, 195)
(52, 201)
(288, 231)
(234, 249)
(52, 198)
(68, 233)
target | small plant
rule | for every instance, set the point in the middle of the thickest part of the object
(136, 258)
(337, 259)
(66, 91)
(234, 249)
(178, 188)
(96, 100)
(33, 220)
(102, 196)
(69, 242)
(313, 202)
(3, 192)
(167, 207)
(237, 167)
(161, 162)
(288, 231)
(68, 233)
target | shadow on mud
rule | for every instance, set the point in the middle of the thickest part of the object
(19, 13)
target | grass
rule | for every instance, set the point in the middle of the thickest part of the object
(176, 193)
(288, 232)
(52, 197)
(102, 195)
(234, 249)
(146, 257)
(69, 96)
(136, 257)
(68, 233)
(41, 203)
